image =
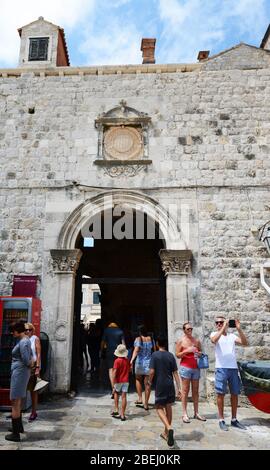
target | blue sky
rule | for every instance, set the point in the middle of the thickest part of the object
(110, 31)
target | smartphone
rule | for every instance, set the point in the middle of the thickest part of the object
(231, 323)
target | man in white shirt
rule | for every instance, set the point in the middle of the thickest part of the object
(226, 372)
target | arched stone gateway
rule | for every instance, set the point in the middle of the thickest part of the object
(127, 200)
(175, 260)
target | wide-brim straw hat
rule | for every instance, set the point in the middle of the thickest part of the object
(121, 351)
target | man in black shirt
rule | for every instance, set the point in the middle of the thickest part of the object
(163, 368)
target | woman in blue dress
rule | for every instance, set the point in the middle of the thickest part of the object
(20, 373)
(143, 347)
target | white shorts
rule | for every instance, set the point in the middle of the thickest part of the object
(121, 387)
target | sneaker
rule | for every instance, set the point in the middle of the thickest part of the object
(32, 417)
(223, 426)
(238, 425)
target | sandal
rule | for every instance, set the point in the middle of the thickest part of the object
(138, 403)
(163, 436)
(199, 417)
(146, 408)
(185, 419)
(115, 414)
(170, 440)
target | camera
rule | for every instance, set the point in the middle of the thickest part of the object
(231, 323)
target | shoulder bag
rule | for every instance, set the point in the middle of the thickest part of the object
(202, 361)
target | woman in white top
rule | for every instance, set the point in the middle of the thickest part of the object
(36, 356)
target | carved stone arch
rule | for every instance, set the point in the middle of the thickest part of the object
(81, 216)
(60, 284)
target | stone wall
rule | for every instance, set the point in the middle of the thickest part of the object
(208, 128)
(21, 235)
(240, 57)
(209, 144)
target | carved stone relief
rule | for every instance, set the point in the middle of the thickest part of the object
(175, 261)
(65, 261)
(60, 330)
(122, 143)
(123, 139)
(123, 170)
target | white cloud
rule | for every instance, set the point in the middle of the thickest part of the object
(117, 44)
(17, 13)
(175, 12)
(193, 25)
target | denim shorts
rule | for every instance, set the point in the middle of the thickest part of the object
(224, 377)
(189, 373)
(121, 387)
(141, 370)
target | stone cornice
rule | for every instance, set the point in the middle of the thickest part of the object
(65, 261)
(175, 261)
(100, 70)
(109, 163)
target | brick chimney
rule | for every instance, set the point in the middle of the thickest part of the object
(148, 50)
(203, 55)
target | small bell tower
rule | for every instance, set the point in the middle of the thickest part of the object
(43, 45)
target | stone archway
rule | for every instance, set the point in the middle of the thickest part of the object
(175, 260)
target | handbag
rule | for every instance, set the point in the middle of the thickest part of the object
(202, 361)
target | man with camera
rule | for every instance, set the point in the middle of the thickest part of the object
(226, 372)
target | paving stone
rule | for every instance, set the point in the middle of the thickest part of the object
(96, 430)
(145, 435)
(95, 423)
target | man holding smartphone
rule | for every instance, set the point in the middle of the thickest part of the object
(226, 372)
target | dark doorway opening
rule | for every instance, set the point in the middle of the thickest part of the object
(132, 287)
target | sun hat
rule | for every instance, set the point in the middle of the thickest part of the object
(121, 351)
(40, 384)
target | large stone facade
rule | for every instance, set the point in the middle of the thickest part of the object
(208, 146)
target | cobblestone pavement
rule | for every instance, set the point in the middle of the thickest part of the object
(84, 422)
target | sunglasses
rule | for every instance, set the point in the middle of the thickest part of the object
(28, 330)
(219, 322)
(189, 329)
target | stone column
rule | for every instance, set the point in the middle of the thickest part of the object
(64, 267)
(176, 265)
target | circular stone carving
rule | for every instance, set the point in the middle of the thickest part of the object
(60, 331)
(122, 143)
